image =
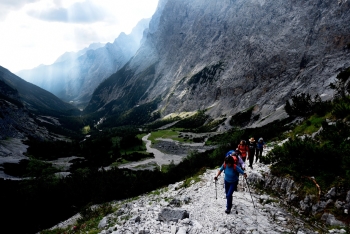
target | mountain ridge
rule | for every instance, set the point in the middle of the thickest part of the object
(267, 51)
(74, 77)
(34, 97)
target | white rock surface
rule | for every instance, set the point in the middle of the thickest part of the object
(206, 210)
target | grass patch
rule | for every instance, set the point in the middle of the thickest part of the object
(86, 129)
(308, 126)
(119, 162)
(166, 134)
(194, 179)
(212, 126)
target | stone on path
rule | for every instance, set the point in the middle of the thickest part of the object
(172, 215)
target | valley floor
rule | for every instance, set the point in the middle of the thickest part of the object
(165, 151)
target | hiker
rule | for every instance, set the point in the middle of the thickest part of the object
(244, 149)
(240, 161)
(231, 179)
(252, 149)
(260, 145)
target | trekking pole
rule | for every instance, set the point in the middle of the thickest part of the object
(250, 192)
(243, 188)
(216, 191)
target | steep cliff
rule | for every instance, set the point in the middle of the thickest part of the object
(231, 55)
(74, 76)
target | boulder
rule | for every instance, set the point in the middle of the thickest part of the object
(330, 220)
(175, 202)
(168, 215)
(103, 223)
(348, 197)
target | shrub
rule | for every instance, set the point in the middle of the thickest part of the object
(302, 105)
(88, 212)
(195, 121)
(341, 108)
(242, 118)
(341, 86)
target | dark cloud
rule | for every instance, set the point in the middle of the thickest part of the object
(10, 5)
(80, 12)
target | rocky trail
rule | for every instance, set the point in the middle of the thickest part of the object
(200, 208)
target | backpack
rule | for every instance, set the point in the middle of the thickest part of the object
(243, 148)
(232, 154)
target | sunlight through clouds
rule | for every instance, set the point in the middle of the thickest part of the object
(38, 31)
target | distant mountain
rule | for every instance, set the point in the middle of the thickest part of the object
(229, 56)
(74, 76)
(74, 55)
(24, 107)
(35, 98)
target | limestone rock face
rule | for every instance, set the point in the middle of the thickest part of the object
(233, 54)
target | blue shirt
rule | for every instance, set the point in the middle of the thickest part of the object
(260, 144)
(230, 174)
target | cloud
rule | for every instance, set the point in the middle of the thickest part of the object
(80, 12)
(9, 5)
(85, 36)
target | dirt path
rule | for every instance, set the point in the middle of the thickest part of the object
(160, 158)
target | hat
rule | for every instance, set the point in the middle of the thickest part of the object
(251, 139)
(261, 139)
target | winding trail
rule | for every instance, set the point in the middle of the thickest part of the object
(160, 158)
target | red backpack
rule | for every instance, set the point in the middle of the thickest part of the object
(244, 149)
(235, 161)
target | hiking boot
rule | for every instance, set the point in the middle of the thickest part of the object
(227, 211)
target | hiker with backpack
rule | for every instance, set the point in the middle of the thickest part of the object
(260, 145)
(232, 171)
(244, 149)
(237, 153)
(252, 148)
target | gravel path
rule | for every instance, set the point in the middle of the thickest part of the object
(205, 204)
(165, 151)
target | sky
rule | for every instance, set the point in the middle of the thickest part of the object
(34, 32)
